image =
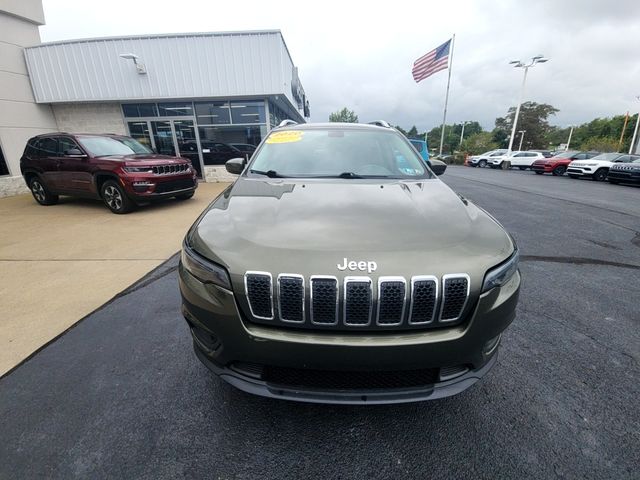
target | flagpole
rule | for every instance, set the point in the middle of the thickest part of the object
(446, 98)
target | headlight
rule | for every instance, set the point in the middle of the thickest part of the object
(202, 269)
(502, 273)
(138, 169)
(588, 164)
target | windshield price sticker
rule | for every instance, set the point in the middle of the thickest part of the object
(285, 137)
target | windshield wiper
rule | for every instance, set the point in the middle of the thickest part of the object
(268, 173)
(349, 175)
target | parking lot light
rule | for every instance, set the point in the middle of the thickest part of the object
(635, 131)
(521, 132)
(520, 64)
(569, 141)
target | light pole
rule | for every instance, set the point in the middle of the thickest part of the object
(635, 131)
(521, 132)
(519, 64)
(462, 133)
(569, 141)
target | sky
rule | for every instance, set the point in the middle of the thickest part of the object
(359, 54)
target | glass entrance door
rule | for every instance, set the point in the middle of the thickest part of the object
(177, 138)
(187, 143)
(163, 137)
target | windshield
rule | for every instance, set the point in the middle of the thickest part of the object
(606, 156)
(331, 152)
(105, 146)
(565, 155)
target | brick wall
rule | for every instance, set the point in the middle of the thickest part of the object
(89, 118)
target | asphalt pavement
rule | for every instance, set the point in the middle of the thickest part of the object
(121, 395)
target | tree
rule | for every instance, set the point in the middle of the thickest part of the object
(600, 144)
(451, 135)
(479, 143)
(401, 130)
(344, 115)
(413, 132)
(533, 119)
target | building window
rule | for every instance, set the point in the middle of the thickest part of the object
(213, 113)
(140, 110)
(175, 109)
(247, 112)
(140, 131)
(4, 170)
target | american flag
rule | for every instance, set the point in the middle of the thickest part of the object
(432, 62)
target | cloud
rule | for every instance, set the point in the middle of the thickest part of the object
(359, 55)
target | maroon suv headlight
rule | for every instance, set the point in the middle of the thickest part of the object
(138, 169)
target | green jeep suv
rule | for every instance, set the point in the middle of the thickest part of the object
(339, 269)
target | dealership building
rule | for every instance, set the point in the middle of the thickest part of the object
(203, 96)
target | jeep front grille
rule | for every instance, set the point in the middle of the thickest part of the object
(391, 300)
(455, 293)
(360, 302)
(291, 298)
(324, 300)
(170, 169)
(259, 288)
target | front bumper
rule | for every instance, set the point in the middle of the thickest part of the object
(624, 176)
(542, 168)
(146, 188)
(224, 339)
(581, 171)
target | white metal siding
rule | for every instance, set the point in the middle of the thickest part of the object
(178, 66)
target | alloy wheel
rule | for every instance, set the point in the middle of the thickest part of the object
(38, 191)
(113, 197)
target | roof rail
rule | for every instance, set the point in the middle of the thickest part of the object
(380, 123)
(284, 123)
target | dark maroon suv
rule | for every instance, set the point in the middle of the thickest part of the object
(117, 169)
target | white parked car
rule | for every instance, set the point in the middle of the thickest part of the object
(522, 160)
(483, 159)
(597, 167)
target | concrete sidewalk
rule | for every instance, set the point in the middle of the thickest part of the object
(61, 262)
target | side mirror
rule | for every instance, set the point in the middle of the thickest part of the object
(74, 152)
(235, 165)
(437, 166)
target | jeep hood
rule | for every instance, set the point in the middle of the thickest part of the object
(308, 227)
(146, 159)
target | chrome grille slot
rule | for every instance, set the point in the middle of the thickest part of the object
(455, 291)
(357, 301)
(324, 300)
(259, 288)
(392, 293)
(291, 297)
(424, 298)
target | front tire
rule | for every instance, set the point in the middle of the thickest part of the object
(559, 171)
(40, 193)
(482, 163)
(115, 198)
(600, 175)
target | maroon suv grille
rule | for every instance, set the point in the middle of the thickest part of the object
(170, 169)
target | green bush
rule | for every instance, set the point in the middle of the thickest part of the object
(600, 144)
